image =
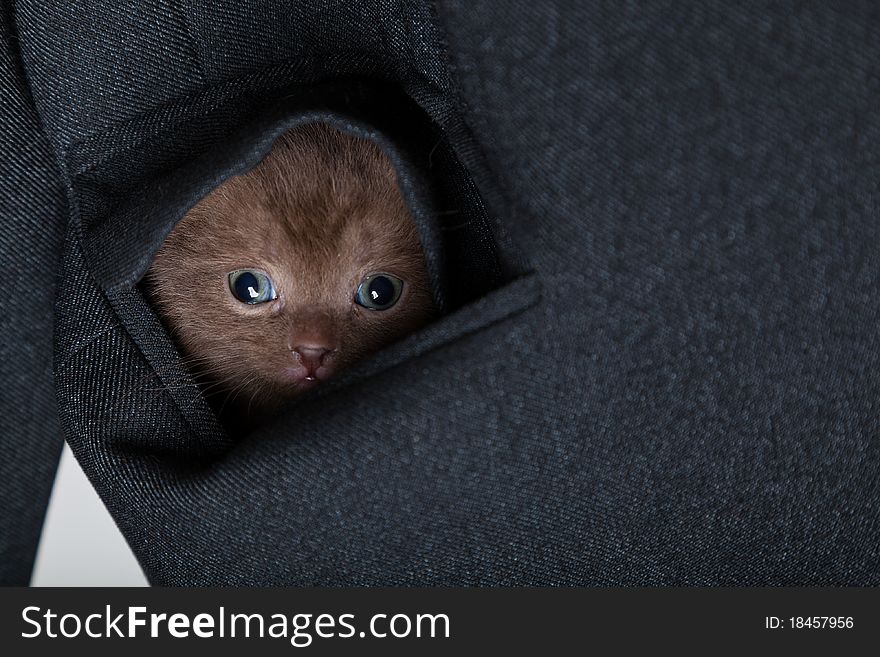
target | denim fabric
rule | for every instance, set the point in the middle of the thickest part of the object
(658, 222)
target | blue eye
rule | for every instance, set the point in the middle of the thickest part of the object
(378, 291)
(251, 287)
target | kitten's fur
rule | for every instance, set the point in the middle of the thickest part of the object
(320, 212)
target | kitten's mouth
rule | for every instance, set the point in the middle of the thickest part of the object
(307, 383)
(305, 379)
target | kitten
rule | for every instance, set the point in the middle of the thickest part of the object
(283, 276)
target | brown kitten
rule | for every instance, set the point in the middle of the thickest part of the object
(281, 277)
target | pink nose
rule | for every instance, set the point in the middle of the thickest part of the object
(312, 357)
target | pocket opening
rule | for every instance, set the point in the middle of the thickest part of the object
(474, 280)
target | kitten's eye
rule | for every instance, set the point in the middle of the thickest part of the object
(378, 291)
(252, 287)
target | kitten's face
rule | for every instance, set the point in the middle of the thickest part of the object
(282, 277)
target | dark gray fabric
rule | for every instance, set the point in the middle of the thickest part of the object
(32, 216)
(698, 186)
(663, 365)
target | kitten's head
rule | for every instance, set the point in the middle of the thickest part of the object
(283, 276)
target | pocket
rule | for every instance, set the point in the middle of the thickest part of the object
(119, 375)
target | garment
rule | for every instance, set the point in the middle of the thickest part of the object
(32, 215)
(653, 226)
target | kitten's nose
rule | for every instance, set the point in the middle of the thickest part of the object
(312, 357)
